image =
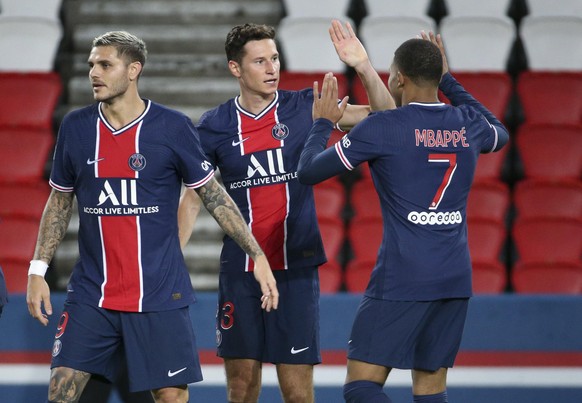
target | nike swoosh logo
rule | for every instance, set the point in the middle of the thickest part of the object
(90, 161)
(171, 374)
(236, 143)
(293, 351)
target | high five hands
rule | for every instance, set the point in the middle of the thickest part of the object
(325, 105)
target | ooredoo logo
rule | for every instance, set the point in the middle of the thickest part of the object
(432, 218)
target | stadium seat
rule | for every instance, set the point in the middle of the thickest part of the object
(319, 8)
(330, 277)
(478, 43)
(358, 274)
(489, 278)
(492, 89)
(330, 199)
(488, 200)
(333, 236)
(558, 278)
(297, 80)
(365, 237)
(548, 199)
(545, 7)
(40, 37)
(15, 275)
(550, 151)
(471, 8)
(358, 92)
(383, 35)
(306, 47)
(409, 8)
(32, 101)
(17, 242)
(490, 165)
(364, 200)
(24, 154)
(552, 42)
(23, 201)
(32, 8)
(547, 240)
(547, 97)
(486, 240)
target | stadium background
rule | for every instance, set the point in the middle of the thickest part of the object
(523, 339)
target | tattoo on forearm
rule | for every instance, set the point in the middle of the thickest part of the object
(53, 225)
(67, 384)
(221, 206)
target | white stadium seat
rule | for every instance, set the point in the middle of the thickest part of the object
(382, 8)
(31, 8)
(315, 8)
(488, 8)
(561, 7)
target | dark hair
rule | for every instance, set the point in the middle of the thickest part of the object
(129, 46)
(239, 35)
(419, 60)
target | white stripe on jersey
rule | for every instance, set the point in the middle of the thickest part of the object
(342, 156)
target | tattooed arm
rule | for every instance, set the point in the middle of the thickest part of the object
(53, 225)
(220, 205)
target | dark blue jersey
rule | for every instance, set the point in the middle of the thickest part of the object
(422, 159)
(257, 156)
(127, 183)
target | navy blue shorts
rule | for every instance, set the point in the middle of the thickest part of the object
(289, 335)
(159, 348)
(408, 334)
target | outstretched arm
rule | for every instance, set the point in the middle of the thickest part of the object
(221, 206)
(53, 226)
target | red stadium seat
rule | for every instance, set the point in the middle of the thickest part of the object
(330, 199)
(489, 278)
(32, 101)
(24, 154)
(550, 97)
(330, 277)
(486, 240)
(15, 273)
(17, 242)
(547, 240)
(488, 200)
(490, 165)
(358, 274)
(333, 236)
(365, 201)
(492, 89)
(295, 81)
(556, 278)
(23, 201)
(548, 199)
(358, 92)
(550, 151)
(365, 236)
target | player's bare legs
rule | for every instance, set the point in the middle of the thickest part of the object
(364, 371)
(296, 382)
(67, 384)
(177, 394)
(429, 382)
(243, 380)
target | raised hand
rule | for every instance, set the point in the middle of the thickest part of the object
(437, 40)
(347, 45)
(325, 105)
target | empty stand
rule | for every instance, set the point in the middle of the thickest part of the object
(412, 8)
(478, 43)
(29, 43)
(488, 200)
(383, 35)
(297, 80)
(23, 201)
(365, 201)
(490, 165)
(552, 42)
(319, 8)
(32, 99)
(548, 240)
(333, 235)
(489, 8)
(306, 46)
(489, 278)
(486, 240)
(358, 92)
(548, 199)
(31, 8)
(547, 8)
(358, 274)
(365, 236)
(330, 199)
(550, 151)
(492, 89)
(330, 277)
(557, 278)
(17, 242)
(547, 97)
(24, 154)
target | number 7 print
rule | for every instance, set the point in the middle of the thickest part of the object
(451, 159)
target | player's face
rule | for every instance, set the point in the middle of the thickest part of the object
(108, 73)
(258, 71)
(393, 85)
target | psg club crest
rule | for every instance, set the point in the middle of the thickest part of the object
(137, 162)
(218, 338)
(280, 131)
(57, 346)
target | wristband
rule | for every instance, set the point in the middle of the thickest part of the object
(37, 267)
(337, 126)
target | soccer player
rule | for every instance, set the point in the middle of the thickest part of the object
(422, 158)
(3, 291)
(255, 140)
(125, 159)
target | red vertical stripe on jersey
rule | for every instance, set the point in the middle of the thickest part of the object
(122, 289)
(268, 205)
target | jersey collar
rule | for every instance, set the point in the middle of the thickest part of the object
(129, 125)
(262, 113)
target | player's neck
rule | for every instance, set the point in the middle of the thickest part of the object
(123, 110)
(420, 95)
(255, 103)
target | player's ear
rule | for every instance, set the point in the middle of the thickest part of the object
(135, 69)
(234, 68)
(399, 79)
